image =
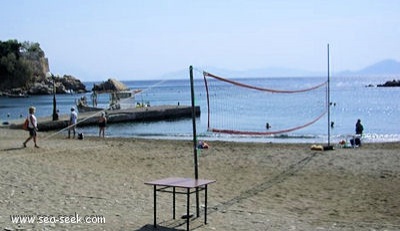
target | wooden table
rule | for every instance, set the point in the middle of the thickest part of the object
(190, 186)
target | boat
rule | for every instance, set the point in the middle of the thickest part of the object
(121, 97)
(18, 95)
(118, 100)
(82, 107)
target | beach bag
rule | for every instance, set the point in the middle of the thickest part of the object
(26, 124)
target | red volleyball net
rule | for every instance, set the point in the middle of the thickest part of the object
(262, 107)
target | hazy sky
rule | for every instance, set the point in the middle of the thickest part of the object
(144, 39)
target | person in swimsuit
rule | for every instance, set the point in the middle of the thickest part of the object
(102, 124)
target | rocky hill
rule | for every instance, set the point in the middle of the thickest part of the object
(391, 83)
(62, 85)
(388, 67)
(24, 68)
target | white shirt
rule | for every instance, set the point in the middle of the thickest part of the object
(32, 121)
(74, 117)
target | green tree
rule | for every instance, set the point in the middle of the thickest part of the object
(18, 63)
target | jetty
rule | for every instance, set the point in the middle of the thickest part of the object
(141, 114)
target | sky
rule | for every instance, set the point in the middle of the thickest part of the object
(145, 39)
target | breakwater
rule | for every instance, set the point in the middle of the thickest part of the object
(144, 114)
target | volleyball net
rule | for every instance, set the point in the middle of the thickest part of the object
(262, 107)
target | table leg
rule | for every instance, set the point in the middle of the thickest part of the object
(187, 208)
(155, 206)
(205, 204)
(173, 201)
(197, 202)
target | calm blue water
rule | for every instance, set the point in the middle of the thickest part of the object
(378, 108)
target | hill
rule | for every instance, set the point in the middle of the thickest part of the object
(388, 67)
(253, 73)
(25, 68)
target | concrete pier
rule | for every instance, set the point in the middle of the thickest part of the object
(153, 113)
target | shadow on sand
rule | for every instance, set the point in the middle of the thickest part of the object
(12, 149)
(158, 228)
(173, 225)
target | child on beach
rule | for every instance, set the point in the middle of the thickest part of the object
(32, 126)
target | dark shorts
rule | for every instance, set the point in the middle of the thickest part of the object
(355, 141)
(102, 124)
(32, 131)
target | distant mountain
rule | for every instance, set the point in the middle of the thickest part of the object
(255, 73)
(385, 67)
(274, 72)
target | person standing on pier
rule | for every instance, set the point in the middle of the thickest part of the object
(32, 126)
(73, 119)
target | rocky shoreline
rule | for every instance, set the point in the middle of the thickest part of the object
(61, 85)
(393, 83)
(25, 70)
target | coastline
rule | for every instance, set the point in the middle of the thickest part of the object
(260, 186)
(376, 113)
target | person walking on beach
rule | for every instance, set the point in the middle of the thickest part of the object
(359, 127)
(32, 127)
(102, 124)
(73, 118)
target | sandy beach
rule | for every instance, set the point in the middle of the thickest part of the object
(260, 186)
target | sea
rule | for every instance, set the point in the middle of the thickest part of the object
(352, 98)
